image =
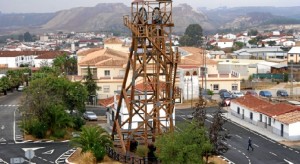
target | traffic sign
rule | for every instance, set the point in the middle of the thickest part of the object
(17, 160)
(29, 154)
(227, 102)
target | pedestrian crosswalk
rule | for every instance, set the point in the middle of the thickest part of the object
(9, 105)
(2, 162)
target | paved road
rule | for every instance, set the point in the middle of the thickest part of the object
(266, 151)
(11, 144)
(44, 152)
(8, 106)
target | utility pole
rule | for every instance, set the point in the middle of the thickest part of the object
(292, 78)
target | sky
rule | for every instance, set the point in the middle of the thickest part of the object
(42, 6)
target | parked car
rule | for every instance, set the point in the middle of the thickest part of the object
(89, 115)
(282, 93)
(20, 88)
(222, 90)
(251, 92)
(237, 94)
(265, 94)
(225, 95)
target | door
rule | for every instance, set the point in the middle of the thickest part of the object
(281, 131)
(266, 122)
(243, 113)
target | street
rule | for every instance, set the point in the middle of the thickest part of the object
(266, 151)
(11, 140)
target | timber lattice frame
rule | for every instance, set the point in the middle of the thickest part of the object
(152, 62)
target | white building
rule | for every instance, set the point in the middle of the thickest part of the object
(280, 119)
(224, 43)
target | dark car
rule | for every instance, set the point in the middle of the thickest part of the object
(282, 93)
(222, 90)
(251, 92)
(225, 95)
(265, 94)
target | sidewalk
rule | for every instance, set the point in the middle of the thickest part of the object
(252, 127)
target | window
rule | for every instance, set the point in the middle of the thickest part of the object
(216, 87)
(107, 73)
(106, 89)
(291, 55)
(260, 117)
(121, 73)
(269, 121)
(251, 116)
(234, 87)
(238, 110)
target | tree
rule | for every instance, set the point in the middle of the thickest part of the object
(66, 64)
(48, 98)
(4, 84)
(94, 139)
(192, 36)
(215, 133)
(189, 145)
(90, 84)
(253, 41)
(271, 43)
(252, 32)
(27, 37)
(239, 45)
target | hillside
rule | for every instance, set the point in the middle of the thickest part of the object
(109, 17)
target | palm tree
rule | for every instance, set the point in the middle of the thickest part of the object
(93, 138)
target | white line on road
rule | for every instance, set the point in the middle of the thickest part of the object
(255, 145)
(297, 152)
(273, 154)
(209, 121)
(288, 161)
(238, 136)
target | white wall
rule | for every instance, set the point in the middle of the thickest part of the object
(10, 61)
(294, 131)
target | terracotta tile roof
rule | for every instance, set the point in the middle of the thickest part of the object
(196, 54)
(113, 40)
(112, 62)
(108, 102)
(104, 57)
(51, 54)
(148, 87)
(252, 102)
(20, 53)
(88, 51)
(278, 109)
(225, 40)
(289, 118)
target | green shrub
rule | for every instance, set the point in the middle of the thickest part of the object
(99, 152)
(59, 133)
(78, 122)
(142, 151)
(210, 92)
(38, 129)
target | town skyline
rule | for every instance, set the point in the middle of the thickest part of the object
(33, 6)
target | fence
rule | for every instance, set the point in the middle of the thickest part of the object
(129, 158)
(268, 76)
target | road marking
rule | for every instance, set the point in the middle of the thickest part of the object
(49, 152)
(2, 140)
(288, 161)
(32, 148)
(209, 115)
(297, 152)
(271, 141)
(238, 136)
(255, 145)
(291, 149)
(2, 127)
(209, 121)
(273, 154)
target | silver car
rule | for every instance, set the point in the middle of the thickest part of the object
(89, 115)
(237, 94)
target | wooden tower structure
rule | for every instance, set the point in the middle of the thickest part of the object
(145, 113)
